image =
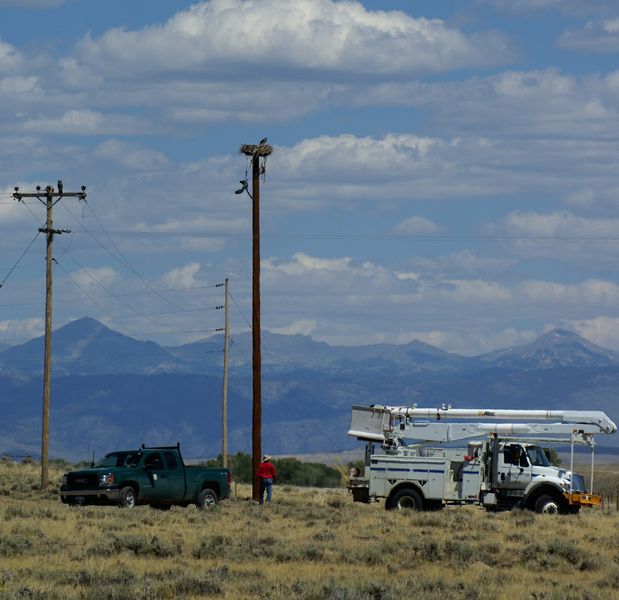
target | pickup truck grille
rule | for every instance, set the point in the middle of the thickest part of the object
(83, 481)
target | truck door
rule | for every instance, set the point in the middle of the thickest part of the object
(514, 468)
(176, 476)
(157, 475)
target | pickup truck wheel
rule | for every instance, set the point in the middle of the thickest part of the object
(406, 498)
(207, 498)
(127, 497)
(548, 505)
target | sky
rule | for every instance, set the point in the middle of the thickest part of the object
(442, 171)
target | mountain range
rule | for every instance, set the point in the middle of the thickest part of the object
(112, 391)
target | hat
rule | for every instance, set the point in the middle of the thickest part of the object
(265, 458)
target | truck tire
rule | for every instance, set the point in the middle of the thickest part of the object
(207, 498)
(128, 497)
(405, 498)
(548, 505)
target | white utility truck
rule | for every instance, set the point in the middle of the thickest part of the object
(507, 468)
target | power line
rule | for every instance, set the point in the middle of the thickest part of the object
(127, 294)
(378, 236)
(240, 311)
(233, 342)
(121, 258)
(79, 287)
(19, 259)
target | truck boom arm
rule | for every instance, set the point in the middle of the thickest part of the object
(382, 423)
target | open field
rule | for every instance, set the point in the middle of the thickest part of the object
(309, 544)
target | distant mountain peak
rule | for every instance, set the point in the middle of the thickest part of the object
(555, 349)
(560, 334)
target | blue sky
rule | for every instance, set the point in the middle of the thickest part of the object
(443, 171)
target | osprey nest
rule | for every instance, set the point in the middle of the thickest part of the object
(256, 149)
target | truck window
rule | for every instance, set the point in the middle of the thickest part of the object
(132, 459)
(119, 459)
(170, 461)
(511, 455)
(537, 456)
(515, 454)
(153, 461)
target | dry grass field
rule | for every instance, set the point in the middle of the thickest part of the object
(309, 544)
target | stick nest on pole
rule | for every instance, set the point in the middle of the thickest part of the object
(256, 149)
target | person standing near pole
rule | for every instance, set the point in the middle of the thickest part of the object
(266, 475)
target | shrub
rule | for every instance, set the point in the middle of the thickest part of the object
(290, 471)
(14, 545)
(214, 546)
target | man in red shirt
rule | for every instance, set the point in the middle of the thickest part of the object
(267, 475)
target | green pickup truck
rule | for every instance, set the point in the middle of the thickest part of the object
(156, 476)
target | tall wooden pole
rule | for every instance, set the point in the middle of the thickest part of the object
(256, 354)
(224, 397)
(47, 360)
(51, 197)
(257, 152)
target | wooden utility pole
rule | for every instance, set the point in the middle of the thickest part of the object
(224, 397)
(49, 197)
(256, 152)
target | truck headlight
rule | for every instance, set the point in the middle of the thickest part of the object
(65, 479)
(106, 479)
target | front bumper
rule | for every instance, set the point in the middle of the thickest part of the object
(583, 499)
(102, 495)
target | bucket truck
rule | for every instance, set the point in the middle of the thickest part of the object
(503, 466)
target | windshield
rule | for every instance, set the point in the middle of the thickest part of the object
(120, 459)
(537, 456)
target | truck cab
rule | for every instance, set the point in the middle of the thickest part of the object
(524, 477)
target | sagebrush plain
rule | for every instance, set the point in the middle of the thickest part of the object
(309, 544)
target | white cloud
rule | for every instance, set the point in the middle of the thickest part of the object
(131, 155)
(182, 277)
(538, 103)
(417, 225)
(19, 330)
(9, 57)
(602, 330)
(302, 264)
(590, 293)
(462, 261)
(561, 224)
(595, 36)
(18, 85)
(311, 35)
(302, 327)
(198, 225)
(85, 122)
(571, 7)
(94, 277)
(355, 302)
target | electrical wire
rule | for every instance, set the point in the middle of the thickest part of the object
(121, 258)
(240, 311)
(127, 294)
(79, 287)
(19, 259)
(381, 237)
(239, 350)
(124, 261)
